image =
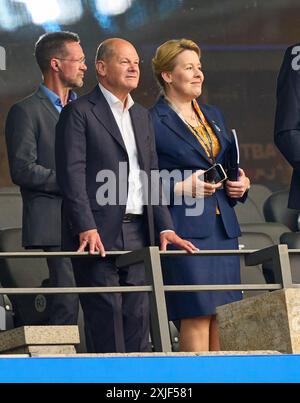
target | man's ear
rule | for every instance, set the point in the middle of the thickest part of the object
(101, 68)
(167, 76)
(54, 63)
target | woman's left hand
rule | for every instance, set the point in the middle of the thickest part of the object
(236, 189)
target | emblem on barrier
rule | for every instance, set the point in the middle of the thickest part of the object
(40, 303)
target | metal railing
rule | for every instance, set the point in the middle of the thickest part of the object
(151, 257)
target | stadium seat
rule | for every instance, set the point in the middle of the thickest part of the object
(10, 208)
(292, 239)
(6, 313)
(273, 230)
(254, 274)
(257, 233)
(252, 210)
(276, 210)
(28, 272)
(251, 217)
(259, 194)
(174, 335)
(28, 309)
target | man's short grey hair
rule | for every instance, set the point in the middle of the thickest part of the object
(105, 50)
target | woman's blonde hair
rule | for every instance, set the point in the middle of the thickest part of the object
(164, 59)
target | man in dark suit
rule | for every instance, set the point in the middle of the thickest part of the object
(98, 137)
(287, 120)
(30, 138)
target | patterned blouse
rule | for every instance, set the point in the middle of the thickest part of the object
(204, 134)
(206, 137)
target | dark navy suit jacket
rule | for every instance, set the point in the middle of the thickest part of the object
(287, 120)
(88, 141)
(178, 148)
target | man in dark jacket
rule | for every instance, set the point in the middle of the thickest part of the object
(287, 120)
(30, 138)
(102, 133)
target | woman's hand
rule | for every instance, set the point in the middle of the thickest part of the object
(236, 189)
(195, 187)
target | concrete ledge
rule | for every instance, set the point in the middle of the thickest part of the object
(180, 354)
(267, 321)
(34, 353)
(26, 336)
(62, 349)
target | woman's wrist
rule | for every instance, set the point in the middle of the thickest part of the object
(178, 189)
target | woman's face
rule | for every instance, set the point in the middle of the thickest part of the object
(186, 78)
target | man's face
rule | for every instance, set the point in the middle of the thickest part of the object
(72, 66)
(120, 72)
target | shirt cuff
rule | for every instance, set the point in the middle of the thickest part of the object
(167, 230)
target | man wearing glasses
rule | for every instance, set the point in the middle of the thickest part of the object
(30, 138)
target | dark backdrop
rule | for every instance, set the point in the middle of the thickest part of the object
(242, 43)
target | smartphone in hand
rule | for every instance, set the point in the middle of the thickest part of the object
(214, 174)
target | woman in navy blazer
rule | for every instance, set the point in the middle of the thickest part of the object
(190, 138)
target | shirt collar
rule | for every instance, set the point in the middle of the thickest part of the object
(113, 101)
(54, 98)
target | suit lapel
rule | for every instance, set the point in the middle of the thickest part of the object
(47, 103)
(175, 123)
(104, 115)
(218, 129)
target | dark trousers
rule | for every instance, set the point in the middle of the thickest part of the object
(64, 307)
(115, 322)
